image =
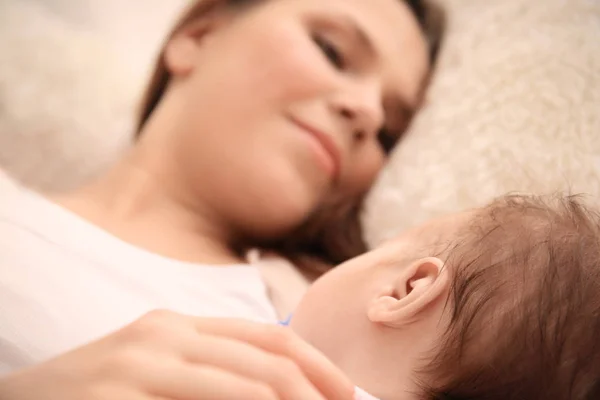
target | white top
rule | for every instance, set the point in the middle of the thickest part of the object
(65, 282)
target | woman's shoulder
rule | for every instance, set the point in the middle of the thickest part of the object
(7, 182)
(16, 199)
(30, 224)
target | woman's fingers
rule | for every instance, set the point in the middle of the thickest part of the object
(326, 377)
(170, 356)
(180, 382)
(263, 353)
(280, 373)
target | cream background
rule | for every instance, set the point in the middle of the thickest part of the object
(515, 107)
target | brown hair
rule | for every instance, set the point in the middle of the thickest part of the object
(333, 234)
(524, 307)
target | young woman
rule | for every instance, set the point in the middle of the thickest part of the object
(265, 124)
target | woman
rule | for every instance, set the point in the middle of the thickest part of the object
(265, 124)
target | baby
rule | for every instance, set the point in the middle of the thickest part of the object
(498, 303)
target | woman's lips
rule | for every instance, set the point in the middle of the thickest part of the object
(325, 147)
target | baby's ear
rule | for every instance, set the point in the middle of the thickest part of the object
(414, 290)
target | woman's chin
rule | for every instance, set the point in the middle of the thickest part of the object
(282, 214)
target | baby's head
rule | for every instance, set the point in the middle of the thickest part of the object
(498, 303)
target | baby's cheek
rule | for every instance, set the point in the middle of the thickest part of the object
(327, 316)
(315, 314)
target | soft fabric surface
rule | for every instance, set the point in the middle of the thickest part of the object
(514, 106)
(71, 74)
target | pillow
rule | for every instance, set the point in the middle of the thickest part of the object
(514, 106)
(71, 76)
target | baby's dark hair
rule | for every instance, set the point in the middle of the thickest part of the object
(524, 308)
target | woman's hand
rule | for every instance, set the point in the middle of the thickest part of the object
(165, 355)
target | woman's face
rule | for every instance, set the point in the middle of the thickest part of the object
(290, 104)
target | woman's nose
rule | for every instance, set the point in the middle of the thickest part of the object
(361, 107)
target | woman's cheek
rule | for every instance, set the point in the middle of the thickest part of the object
(363, 172)
(300, 71)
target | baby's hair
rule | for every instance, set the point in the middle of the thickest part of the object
(524, 308)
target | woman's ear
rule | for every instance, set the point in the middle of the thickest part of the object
(181, 51)
(414, 290)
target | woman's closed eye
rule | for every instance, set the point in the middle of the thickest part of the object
(330, 50)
